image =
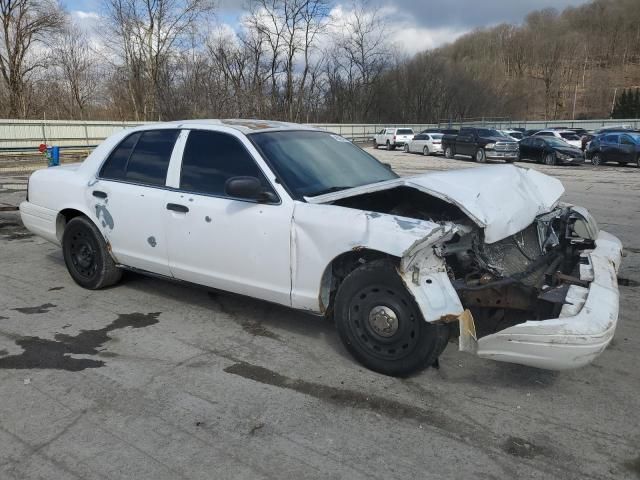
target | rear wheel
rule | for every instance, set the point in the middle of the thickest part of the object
(406, 148)
(596, 160)
(550, 159)
(480, 156)
(425, 150)
(86, 256)
(380, 324)
(388, 145)
(448, 152)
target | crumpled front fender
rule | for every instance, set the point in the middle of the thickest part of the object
(424, 273)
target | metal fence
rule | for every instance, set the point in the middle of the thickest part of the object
(27, 135)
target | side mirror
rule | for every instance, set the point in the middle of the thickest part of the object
(248, 188)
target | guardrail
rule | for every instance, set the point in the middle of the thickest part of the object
(18, 136)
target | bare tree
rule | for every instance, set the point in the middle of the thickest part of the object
(146, 34)
(79, 73)
(24, 24)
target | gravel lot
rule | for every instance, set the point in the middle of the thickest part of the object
(152, 380)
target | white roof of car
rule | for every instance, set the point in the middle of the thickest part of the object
(245, 126)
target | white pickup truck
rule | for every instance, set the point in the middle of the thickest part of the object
(393, 137)
(301, 217)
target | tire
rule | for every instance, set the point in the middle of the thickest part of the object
(550, 159)
(406, 148)
(376, 287)
(388, 145)
(596, 160)
(375, 144)
(86, 256)
(425, 150)
(448, 152)
(638, 161)
(480, 156)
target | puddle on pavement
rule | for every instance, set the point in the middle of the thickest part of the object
(55, 354)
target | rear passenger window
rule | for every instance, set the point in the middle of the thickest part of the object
(150, 158)
(211, 158)
(142, 158)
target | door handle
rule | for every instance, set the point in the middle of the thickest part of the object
(177, 208)
(99, 194)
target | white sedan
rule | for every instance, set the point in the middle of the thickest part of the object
(425, 143)
(304, 218)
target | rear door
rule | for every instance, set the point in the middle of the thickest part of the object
(128, 199)
(465, 141)
(231, 244)
(609, 147)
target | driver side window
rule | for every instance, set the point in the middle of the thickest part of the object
(211, 158)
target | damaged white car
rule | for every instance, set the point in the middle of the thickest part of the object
(304, 218)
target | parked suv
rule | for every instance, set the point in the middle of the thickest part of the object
(393, 137)
(615, 147)
(480, 144)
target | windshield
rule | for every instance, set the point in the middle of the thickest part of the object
(405, 131)
(312, 163)
(569, 136)
(555, 141)
(517, 135)
(487, 132)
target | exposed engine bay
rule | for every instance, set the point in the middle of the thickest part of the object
(523, 277)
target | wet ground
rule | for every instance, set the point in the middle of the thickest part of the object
(153, 380)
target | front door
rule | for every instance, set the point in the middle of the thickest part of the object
(128, 199)
(227, 243)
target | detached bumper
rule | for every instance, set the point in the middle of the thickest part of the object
(585, 327)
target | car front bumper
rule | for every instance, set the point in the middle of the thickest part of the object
(493, 155)
(585, 327)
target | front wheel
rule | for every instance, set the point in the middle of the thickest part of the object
(596, 160)
(86, 256)
(550, 159)
(381, 325)
(375, 144)
(425, 151)
(406, 148)
(480, 156)
(448, 152)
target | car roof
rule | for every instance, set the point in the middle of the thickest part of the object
(245, 126)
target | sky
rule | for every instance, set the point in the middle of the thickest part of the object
(415, 25)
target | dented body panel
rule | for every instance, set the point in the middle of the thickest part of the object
(285, 252)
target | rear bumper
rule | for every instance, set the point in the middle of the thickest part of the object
(585, 326)
(40, 221)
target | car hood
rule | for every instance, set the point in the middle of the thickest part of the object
(502, 199)
(500, 139)
(574, 151)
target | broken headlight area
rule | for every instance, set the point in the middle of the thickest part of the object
(526, 276)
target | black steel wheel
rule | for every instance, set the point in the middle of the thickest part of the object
(381, 325)
(86, 256)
